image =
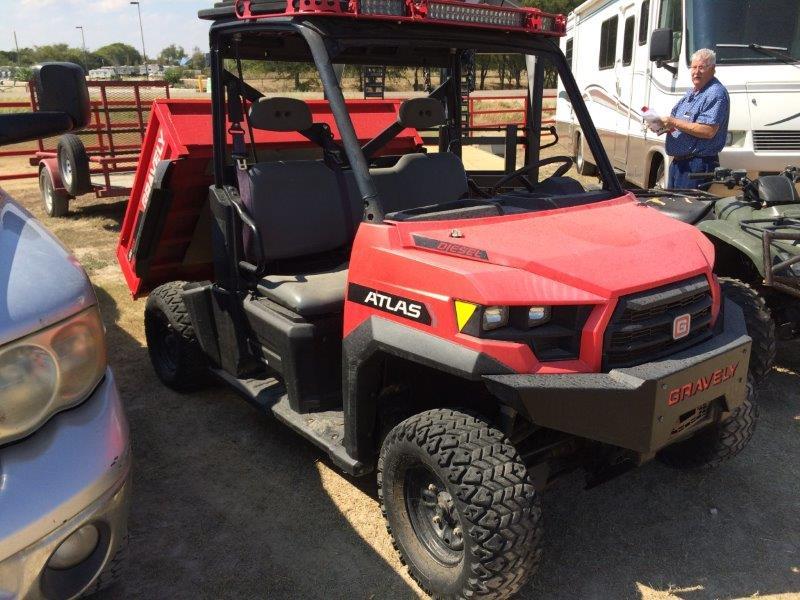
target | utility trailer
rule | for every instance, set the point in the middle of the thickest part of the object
(470, 336)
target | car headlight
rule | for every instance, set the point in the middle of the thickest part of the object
(735, 138)
(552, 332)
(49, 371)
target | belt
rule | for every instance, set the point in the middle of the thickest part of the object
(691, 156)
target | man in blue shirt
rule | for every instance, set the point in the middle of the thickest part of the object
(698, 124)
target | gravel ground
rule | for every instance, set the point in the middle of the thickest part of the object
(230, 504)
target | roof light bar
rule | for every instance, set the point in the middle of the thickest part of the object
(462, 12)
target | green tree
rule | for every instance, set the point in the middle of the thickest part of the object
(171, 55)
(173, 76)
(197, 60)
(119, 54)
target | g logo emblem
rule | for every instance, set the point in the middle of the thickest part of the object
(681, 326)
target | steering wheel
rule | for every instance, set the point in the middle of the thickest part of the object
(566, 165)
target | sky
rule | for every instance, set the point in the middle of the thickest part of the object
(43, 22)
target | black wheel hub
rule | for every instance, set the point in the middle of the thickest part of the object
(433, 515)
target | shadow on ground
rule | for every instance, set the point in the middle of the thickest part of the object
(228, 503)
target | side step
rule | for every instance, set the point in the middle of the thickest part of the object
(325, 428)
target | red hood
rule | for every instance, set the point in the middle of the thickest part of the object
(609, 248)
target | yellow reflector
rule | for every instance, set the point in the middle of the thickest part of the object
(464, 310)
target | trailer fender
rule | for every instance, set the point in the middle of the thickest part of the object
(731, 234)
(362, 351)
(51, 164)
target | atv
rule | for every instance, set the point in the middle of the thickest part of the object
(467, 335)
(756, 236)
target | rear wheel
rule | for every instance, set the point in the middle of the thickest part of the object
(718, 442)
(460, 506)
(73, 162)
(171, 342)
(55, 202)
(760, 325)
(583, 167)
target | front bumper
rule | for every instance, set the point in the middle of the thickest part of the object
(71, 472)
(643, 408)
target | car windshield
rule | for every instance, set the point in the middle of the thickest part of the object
(771, 23)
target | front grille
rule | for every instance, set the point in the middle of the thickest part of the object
(640, 329)
(776, 141)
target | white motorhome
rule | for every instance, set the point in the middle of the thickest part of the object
(609, 43)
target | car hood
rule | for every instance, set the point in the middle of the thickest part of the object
(609, 248)
(41, 283)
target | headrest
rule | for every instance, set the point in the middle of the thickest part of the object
(777, 189)
(421, 113)
(280, 114)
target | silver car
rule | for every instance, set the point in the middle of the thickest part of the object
(64, 444)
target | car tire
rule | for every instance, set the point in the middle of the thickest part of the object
(455, 467)
(55, 202)
(112, 572)
(73, 163)
(760, 325)
(172, 344)
(718, 442)
(581, 165)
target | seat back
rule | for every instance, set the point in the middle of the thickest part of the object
(297, 209)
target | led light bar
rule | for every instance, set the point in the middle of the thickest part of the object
(395, 8)
(469, 13)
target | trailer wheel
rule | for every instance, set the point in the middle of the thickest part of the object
(460, 506)
(73, 162)
(760, 325)
(718, 442)
(583, 167)
(171, 342)
(56, 202)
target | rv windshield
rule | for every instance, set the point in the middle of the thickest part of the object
(772, 23)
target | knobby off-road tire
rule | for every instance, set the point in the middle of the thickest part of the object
(171, 341)
(455, 466)
(719, 442)
(113, 571)
(55, 202)
(73, 162)
(760, 325)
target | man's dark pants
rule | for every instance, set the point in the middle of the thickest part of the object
(681, 168)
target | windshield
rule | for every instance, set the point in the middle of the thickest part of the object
(774, 23)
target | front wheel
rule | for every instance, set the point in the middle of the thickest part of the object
(460, 506)
(758, 320)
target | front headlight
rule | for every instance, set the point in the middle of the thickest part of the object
(552, 332)
(49, 371)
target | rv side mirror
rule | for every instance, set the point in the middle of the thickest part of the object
(661, 45)
(63, 105)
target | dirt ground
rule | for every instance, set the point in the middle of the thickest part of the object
(231, 504)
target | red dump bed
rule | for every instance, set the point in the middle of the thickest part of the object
(176, 243)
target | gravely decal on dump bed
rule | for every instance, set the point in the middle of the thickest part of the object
(690, 389)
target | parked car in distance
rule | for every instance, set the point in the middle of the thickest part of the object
(64, 444)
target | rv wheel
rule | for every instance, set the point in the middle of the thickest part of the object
(583, 167)
(171, 342)
(73, 162)
(460, 506)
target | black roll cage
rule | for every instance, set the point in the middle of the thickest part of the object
(326, 36)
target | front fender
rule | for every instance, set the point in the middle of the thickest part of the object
(733, 235)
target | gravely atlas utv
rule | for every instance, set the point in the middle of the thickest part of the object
(470, 336)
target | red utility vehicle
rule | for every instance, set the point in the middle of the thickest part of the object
(470, 335)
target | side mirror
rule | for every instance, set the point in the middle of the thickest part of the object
(63, 105)
(661, 45)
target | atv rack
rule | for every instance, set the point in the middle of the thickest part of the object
(782, 229)
(451, 12)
